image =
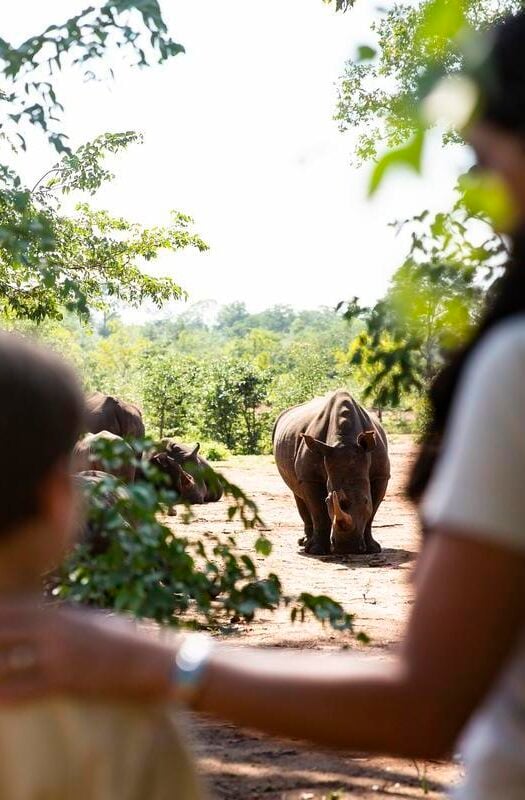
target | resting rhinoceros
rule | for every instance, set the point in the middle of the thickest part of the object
(85, 455)
(334, 457)
(190, 475)
(106, 413)
(94, 487)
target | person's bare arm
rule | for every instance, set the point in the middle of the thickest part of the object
(469, 611)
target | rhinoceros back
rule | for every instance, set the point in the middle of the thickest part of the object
(335, 418)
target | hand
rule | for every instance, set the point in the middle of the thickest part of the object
(79, 652)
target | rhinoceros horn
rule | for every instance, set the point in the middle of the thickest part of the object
(343, 518)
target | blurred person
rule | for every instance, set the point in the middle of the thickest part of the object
(460, 668)
(63, 748)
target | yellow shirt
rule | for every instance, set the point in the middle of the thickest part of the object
(64, 749)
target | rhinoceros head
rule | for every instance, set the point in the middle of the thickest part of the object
(348, 501)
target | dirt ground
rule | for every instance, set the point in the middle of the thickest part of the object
(377, 589)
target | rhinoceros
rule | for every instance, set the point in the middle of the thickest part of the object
(333, 455)
(98, 496)
(190, 475)
(107, 413)
(85, 455)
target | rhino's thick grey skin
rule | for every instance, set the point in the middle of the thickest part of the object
(107, 413)
(187, 471)
(334, 457)
(84, 456)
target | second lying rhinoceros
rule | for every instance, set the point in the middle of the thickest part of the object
(334, 457)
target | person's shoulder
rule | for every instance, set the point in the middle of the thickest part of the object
(506, 340)
(90, 722)
(70, 712)
(501, 351)
(135, 742)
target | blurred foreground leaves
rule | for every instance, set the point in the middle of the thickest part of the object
(129, 560)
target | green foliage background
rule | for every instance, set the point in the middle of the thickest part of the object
(65, 278)
(212, 381)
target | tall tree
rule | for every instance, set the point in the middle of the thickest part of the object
(412, 44)
(32, 234)
(430, 307)
(78, 261)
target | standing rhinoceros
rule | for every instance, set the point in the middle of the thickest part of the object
(334, 457)
(106, 413)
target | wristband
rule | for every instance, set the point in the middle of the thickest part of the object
(190, 664)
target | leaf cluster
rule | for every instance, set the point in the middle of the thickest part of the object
(431, 306)
(50, 261)
(129, 560)
(132, 27)
(413, 45)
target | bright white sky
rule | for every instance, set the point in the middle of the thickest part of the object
(239, 134)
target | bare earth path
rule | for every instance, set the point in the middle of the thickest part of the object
(376, 588)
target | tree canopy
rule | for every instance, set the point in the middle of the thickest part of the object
(411, 46)
(48, 260)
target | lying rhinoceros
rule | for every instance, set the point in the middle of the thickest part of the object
(86, 455)
(190, 475)
(334, 457)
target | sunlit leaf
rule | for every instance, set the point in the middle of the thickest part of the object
(442, 20)
(485, 194)
(409, 156)
(365, 53)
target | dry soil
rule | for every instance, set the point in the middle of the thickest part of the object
(377, 589)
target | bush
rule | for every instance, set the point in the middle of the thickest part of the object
(143, 567)
(422, 411)
(232, 400)
(215, 451)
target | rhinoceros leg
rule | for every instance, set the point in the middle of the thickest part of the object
(306, 518)
(378, 490)
(314, 496)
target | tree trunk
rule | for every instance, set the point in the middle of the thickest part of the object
(162, 421)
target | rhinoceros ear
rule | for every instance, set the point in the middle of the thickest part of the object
(316, 446)
(367, 440)
(159, 460)
(186, 481)
(195, 450)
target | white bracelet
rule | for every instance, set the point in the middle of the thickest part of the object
(190, 664)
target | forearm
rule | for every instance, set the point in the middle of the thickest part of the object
(342, 702)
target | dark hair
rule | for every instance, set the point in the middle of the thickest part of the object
(41, 417)
(503, 105)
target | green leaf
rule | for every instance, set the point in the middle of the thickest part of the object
(409, 156)
(263, 546)
(441, 22)
(485, 195)
(365, 53)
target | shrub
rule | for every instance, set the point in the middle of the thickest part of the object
(215, 451)
(143, 567)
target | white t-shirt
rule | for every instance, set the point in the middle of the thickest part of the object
(479, 487)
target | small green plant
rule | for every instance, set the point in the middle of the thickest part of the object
(215, 451)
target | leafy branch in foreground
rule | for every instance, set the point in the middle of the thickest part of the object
(135, 27)
(129, 560)
(50, 261)
(34, 282)
(412, 47)
(431, 305)
(426, 67)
